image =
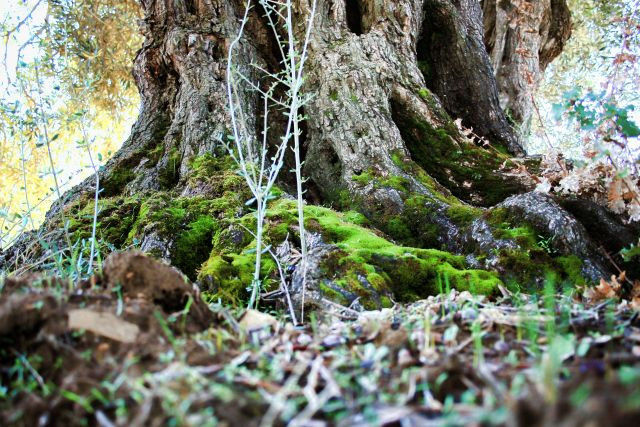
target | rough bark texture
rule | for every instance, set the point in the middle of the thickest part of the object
(388, 79)
(457, 68)
(522, 38)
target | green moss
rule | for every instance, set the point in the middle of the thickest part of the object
(333, 95)
(463, 214)
(190, 222)
(529, 267)
(425, 68)
(208, 165)
(417, 219)
(168, 175)
(386, 302)
(116, 216)
(228, 277)
(415, 225)
(572, 269)
(438, 191)
(156, 153)
(532, 262)
(364, 178)
(399, 229)
(465, 168)
(355, 218)
(117, 179)
(425, 94)
(524, 235)
(366, 265)
(193, 245)
(219, 173)
(399, 183)
(396, 182)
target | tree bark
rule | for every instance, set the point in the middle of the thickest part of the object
(522, 38)
(387, 78)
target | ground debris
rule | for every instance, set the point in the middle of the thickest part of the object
(117, 350)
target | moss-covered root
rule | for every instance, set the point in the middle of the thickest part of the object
(470, 172)
(358, 264)
(180, 227)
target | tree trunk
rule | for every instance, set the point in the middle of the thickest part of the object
(387, 79)
(522, 38)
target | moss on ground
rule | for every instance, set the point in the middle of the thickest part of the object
(210, 238)
(365, 264)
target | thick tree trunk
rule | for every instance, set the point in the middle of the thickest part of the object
(388, 79)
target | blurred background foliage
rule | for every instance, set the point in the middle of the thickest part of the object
(604, 32)
(67, 88)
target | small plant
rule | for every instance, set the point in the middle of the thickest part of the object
(260, 169)
(478, 349)
(546, 244)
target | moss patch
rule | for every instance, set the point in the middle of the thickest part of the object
(189, 222)
(366, 265)
(116, 216)
(463, 214)
(464, 168)
(115, 182)
(169, 174)
(533, 262)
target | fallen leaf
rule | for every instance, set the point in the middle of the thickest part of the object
(104, 324)
(606, 290)
(253, 319)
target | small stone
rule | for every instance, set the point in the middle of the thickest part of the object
(304, 339)
(501, 346)
(468, 314)
(332, 341)
(254, 320)
(404, 358)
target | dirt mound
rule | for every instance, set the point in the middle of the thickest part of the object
(70, 338)
(142, 277)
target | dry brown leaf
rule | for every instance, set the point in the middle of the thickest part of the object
(635, 295)
(253, 320)
(606, 290)
(104, 324)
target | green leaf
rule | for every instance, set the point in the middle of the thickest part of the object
(628, 127)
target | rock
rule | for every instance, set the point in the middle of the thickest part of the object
(253, 320)
(569, 236)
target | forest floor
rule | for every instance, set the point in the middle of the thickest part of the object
(117, 350)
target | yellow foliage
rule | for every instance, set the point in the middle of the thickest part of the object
(77, 71)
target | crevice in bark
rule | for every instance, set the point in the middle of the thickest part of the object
(469, 172)
(269, 49)
(457, 68)
(326, 159)
(423, 51)
(354, 11)
(190, 5)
